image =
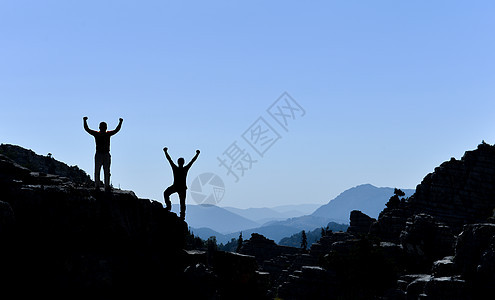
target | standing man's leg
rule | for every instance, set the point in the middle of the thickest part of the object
(98, 165)
(166, 196)
(106, 169)
(182, 198)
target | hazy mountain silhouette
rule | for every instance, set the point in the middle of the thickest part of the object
(367, 198)
(263, 215)
(307, 222)
(273, 232)
(215, 218)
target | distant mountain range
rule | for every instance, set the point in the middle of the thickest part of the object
(367, 198)
(264, 215)
(279, 222)
(215, 218)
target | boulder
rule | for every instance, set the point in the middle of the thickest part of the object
(264, 249)
(426, 240)
(443, 267)
(311, 282)
(360, 222)
(472, 244)
(390, 224)
(415, 289)
(451, 288)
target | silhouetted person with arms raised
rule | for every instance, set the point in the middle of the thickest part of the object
(102, 156)
(179, 186)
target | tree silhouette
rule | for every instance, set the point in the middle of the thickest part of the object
(395, 201)
(239, 243)
(304, 240)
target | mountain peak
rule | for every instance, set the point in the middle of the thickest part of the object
(365, 197)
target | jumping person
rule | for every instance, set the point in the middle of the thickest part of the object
(102, 155)
(179, 186)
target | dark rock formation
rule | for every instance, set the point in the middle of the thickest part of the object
(44, 164)
(475, 257)
(278, 261)
(443, 267)
(360, 222)
(311, 282)
(390, 224)
(58, 235)
(265, 249)
(61, 239)
(424, 286)
(63, 236)
(425, 240)
(328, 242)
(459, 192)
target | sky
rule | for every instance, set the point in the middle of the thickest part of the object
(377, 92)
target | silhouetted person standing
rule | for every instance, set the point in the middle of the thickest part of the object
(102, 156)
(179, 186)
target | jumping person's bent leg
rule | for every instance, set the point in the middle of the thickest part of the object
(166, 196)
(182, 198)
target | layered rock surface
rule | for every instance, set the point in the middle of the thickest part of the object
(459, 192)
(58, 235)
(64, 240)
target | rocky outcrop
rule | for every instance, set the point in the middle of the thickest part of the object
(265, 249)
(475, 257)
(59, 235)
(278, 261)
(43, 164)
(64, 239)
(220, 274)
(330, 242)
(390, 224)
(459, 192)
(424, 286)
(425, 240)
(360, 222)
(311, 282)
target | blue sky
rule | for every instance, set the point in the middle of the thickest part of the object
(390, 89)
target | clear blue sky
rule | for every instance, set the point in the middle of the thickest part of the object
(390, 88)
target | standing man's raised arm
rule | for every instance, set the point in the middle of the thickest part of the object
(92, 132)
(168, 156)
(117, 129)
(193, 159)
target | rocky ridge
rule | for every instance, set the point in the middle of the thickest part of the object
(62, 239)
(437, 244)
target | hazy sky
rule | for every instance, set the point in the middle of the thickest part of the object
(387, 90)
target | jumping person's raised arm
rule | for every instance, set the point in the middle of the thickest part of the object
(168, 156)
(193, 159)
(117, 129)
(90, 131)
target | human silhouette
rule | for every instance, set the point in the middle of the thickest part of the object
(179, 186)
(102, 155)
